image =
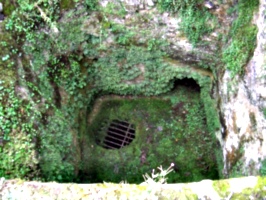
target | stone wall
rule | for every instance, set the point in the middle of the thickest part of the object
(240, 188)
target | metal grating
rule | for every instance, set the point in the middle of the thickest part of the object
(118, 134)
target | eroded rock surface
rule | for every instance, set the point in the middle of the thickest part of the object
(243, 101)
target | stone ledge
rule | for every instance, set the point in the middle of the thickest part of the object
(237, 188)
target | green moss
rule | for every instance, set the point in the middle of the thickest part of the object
(264, 112)
(260, 187)
(245, 194)
(242, 38)
(127, 68)
(8, 55)
(92, 5)
(222, 188)
(176, 5)
(197, 23)
(15, 140)
(185, 193)
(170, 129)
(253, 121)
(8, 6)
(263, 168)
(258, 192)
(116, 9)
(67, 4)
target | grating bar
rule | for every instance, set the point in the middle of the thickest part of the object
(112, 143)
(121, 125)
(110, 147)
(126, 136)
(120, 128)
(119, 133)
(108, 136)
(122, 135)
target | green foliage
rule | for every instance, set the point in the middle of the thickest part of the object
(242, 38)
(123, 36)
(92, 4)
(55, 150)
(9, 111)
(9, 49)
(74, 79)
(9, 6)
(176, 5)
(54, 138)
(237, 170)
(18, 156)
(180, 133)
(222, 188)
(30, 13)
(115, 9)
(196, 23)
(191, 134)
(264, 112)
(125, 64)
(17, 152)
(65, 71)
(263, 168)
(67, 4)
(212, 118)
(220, 162)
(256, 192)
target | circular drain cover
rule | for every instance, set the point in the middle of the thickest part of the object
(116, 135)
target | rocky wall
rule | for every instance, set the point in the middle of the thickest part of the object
(242, 106)
(241, 99)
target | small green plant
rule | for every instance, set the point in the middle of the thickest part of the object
(264, 112)
(115, 9)
(176, 5)
(263, 168)
(17, 152)
(242, 38)
(55, 150)
(196, 23)
(92, 4)
(159, 177)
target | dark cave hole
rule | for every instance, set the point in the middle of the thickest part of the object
(190, 83)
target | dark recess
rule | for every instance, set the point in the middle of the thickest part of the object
(119, 134)
(187, 82)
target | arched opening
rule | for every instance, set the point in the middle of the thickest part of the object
(189, 83)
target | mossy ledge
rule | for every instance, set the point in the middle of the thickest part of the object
(238, 188)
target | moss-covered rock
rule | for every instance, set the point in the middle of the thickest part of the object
(242, 188)
(67, 4)
(8, 6)
(8, 48)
